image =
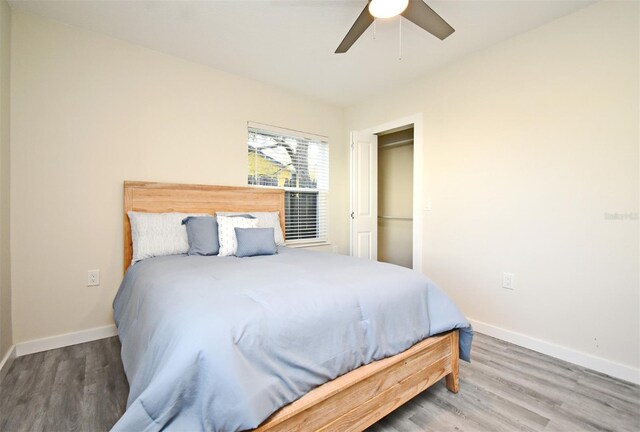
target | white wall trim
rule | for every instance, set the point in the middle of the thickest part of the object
(599, 364)
(418, 186)
(63, 340)
(6, 362)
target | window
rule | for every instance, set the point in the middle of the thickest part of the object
(298, 163)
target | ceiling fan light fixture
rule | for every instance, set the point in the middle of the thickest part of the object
(387, 8)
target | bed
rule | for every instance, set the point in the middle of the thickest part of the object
(183, 375)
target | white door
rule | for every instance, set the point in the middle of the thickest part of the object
(364, 195)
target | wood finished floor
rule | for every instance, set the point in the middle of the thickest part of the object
(506, 388)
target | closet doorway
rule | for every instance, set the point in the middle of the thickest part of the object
(395, 197)
(386, 192)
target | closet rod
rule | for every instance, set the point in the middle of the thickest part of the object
(396, 144)
(395, 217)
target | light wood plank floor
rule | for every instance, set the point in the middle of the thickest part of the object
(506, 388)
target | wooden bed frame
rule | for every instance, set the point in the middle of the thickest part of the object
(351, 402)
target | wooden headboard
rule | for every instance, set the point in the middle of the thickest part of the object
(185, 198)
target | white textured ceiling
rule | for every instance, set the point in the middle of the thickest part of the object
(291, 43)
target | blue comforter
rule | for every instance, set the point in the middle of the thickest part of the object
(220, 343)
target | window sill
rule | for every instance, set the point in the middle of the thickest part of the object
(308, 244)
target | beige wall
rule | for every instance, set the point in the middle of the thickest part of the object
(6, 339)
(89, 112)
(395, 199)
(527, 146)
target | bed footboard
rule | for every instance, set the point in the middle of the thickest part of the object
(359, 398)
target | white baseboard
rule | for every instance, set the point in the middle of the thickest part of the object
(598, 364)
(6, 361)
(63, 340)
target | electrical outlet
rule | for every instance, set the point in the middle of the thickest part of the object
(507, 280)
(93, 277)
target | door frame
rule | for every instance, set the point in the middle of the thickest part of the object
(418, 180)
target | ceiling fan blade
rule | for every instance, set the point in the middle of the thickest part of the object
(423, 16)
(362, 23)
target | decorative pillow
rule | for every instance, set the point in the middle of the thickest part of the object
(202, 232)
(227, 234)
(158, 234)
(255, 241)
(244, 215)
(265, 220)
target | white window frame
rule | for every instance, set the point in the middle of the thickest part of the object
(322, 239)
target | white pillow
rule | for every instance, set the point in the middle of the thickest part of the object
(158, 234)
(265, 220)
(227, 232)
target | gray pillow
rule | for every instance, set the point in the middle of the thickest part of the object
(203, 235)
(255, 241)
(202, 232)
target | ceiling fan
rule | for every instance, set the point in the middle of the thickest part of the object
(415, 11)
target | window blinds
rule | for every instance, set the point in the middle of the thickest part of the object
(299, 164)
